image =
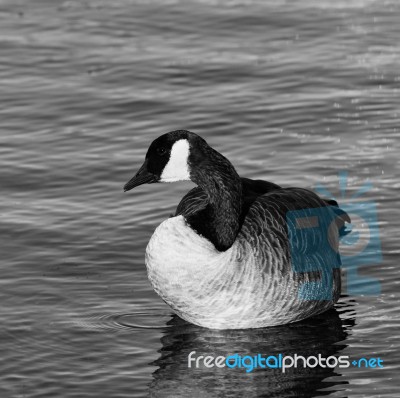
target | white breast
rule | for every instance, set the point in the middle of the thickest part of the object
(238, 288)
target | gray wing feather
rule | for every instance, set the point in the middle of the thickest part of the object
(196, 199)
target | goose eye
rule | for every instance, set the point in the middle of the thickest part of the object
(161, 151)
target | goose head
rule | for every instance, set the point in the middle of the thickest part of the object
(174, 156)
(181, 155)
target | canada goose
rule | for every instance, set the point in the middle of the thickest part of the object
(231, 257)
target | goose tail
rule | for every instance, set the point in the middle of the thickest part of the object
(342, 218)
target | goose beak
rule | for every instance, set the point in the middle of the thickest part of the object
(143, 176)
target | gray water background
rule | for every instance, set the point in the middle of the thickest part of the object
(290, 91)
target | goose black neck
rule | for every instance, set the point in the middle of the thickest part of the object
(219, 221)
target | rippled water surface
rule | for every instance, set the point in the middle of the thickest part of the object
(291, 91)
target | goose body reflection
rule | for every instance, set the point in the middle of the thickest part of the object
(225, 260)
(323, 335)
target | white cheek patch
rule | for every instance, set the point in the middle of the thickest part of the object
(177, 168)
